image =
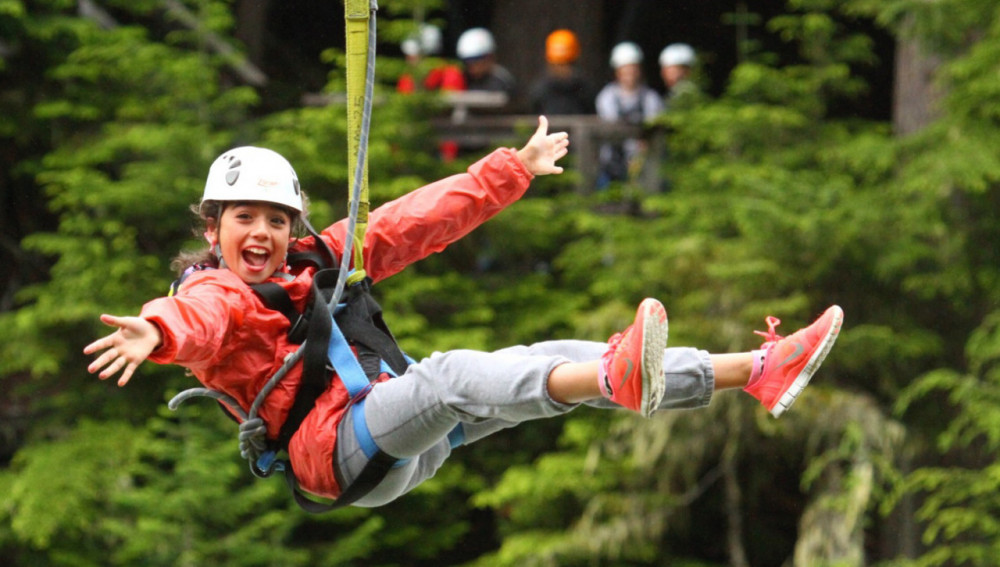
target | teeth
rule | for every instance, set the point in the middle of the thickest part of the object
(255, 250)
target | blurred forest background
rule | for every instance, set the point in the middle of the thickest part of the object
(820, 167)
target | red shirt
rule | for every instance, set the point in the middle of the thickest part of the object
(443, 78)
(217, 327)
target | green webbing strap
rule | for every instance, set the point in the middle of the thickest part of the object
(360, 70)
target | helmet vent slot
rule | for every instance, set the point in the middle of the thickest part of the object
(233, 174)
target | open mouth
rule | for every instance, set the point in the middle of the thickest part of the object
(255, 256)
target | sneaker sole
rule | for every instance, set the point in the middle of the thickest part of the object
(654, 341)
(802, 380)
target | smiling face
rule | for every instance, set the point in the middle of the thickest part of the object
(479, 67)
(629, 76)
(253, 238)
(672, 74)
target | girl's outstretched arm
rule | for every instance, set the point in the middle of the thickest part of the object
(543, 150)
(125, 348)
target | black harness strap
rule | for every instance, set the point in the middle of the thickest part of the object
(361, 322)
(315, 376)
(275, 297)
(373, 473)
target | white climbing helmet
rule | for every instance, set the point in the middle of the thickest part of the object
(677, 54)
(410, 46)
(475, 42)
(253, 174)
(426, 41)
(625, 53)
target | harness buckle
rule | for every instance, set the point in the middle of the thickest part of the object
(267, 463)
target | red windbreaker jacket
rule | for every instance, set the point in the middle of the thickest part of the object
(217, 327)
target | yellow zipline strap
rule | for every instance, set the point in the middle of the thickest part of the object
(356, 15)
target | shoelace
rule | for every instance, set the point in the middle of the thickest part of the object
(770, 337)
(613, 343)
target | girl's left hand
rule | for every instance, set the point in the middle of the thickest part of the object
(543, 150)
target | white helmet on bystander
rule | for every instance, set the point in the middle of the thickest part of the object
(625, 53)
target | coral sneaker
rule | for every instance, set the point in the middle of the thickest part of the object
(790, 362)
(631, 373)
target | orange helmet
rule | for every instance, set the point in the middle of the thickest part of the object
(562, 47)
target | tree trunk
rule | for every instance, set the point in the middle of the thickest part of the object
(251, 18)
(734, 495)
(915, 96)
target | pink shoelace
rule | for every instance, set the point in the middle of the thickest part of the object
(770, 337)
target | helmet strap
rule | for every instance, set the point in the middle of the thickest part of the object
(320, 243)
(217, 250)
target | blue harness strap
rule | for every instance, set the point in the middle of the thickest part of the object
(346, 365)
(342, 358)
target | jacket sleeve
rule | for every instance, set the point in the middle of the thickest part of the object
(196, 322)
(428, 219)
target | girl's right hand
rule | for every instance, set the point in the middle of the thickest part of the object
(126, 348)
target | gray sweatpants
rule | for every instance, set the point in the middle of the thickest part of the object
(411, 416)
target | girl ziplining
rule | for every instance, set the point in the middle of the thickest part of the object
(220, 329)
(378, 424)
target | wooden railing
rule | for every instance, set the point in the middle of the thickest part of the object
(477, 122)
(587, 132)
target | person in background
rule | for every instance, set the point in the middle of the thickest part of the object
(562, 89)
(440, 76)
(426, 75)
(626, 99)
(676, 63)
(477, 50)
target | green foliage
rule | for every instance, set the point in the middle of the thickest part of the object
(90, 452)
(950, 188)
(405, 17)
(960, 503)
(943, 26)
(775, 207)
(119, 160)
(136, 118)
